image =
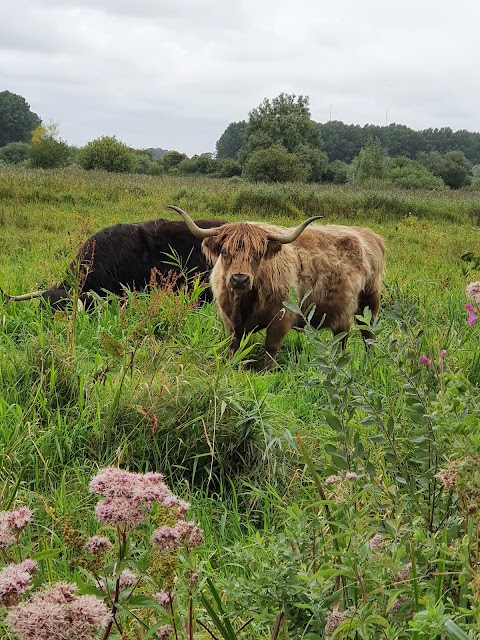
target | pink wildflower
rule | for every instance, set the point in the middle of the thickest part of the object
(172, 538)
(167, 538)
(334, 619)
(443, 353)
(190, 533)
(397, 604)
(377, 541)
(193, 578)
(351, 475)
(128, 496)
(471, 314)
(97, 544)
(164, 599)
(404, 572)
(6, 536)
(332, 479)
(425, 360)
(165, 632)
(14, 580)
(18, 519)
(56, 613)
(473, 291)
(183, 507)
(120, 512)
(127, 579)
(448, 477)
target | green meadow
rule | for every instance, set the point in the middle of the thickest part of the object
(339, 484)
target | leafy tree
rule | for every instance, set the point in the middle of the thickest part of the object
(206, 165)
(46, 151)
(476, 176)
(284, 121)
(17, 121)
(409, 174)
(14, 153)
(171, 160)
(453, 167)
(370, 163)
(315, 162)
(145, 163)
(336, 172)
(232, 140)
(274, 164)
(157, 152)
(107, 153)
(226, 168)
(457, 170)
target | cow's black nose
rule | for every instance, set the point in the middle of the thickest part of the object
(239, 280)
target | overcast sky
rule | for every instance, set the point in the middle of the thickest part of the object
(175, 73)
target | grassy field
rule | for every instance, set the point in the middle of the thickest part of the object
(342, 485)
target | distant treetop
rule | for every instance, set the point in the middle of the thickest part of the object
(17, 121)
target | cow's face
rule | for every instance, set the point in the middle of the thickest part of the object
(241, 247)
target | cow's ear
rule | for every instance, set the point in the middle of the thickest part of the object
(273, 247)
(211, 248)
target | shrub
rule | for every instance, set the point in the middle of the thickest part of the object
(14, 152)
(109, 154)
(275, 164)
(49, 153)
(408, 174)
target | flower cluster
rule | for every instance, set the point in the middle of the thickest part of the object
(334, 619)
(376, 542)
(181, 534)
(473, 291)
(128, 496)
(165, 632)
(96, 544)
(14, 580)
(12, 524)
(56, 613)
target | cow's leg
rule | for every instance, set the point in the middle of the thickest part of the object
(276, 332)
(344, 340)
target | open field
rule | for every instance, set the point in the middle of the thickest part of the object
(291, 474)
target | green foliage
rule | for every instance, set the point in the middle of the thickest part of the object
(171, 160)
(314, 161)
(148, 385)
(17, 121)
(232, 140)
(408, 174)
(275, 164)
(14, 153)
(145, 163)
(344, 142)
(452, 167)
(475, 183)
(369, 164)
(336, 172)
(285, 121)
(49, 153)
(108, 154)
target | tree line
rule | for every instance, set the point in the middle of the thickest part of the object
(279, 142)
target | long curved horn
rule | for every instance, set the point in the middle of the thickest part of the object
(192, 227)
(24, 296)
(290, 237)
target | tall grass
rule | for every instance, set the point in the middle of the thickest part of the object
(148, 385)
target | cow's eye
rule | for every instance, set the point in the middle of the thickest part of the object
(225, 254)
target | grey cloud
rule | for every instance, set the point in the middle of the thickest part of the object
(174, 74)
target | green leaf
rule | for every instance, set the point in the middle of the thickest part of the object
(333, 421)
(454, 631)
